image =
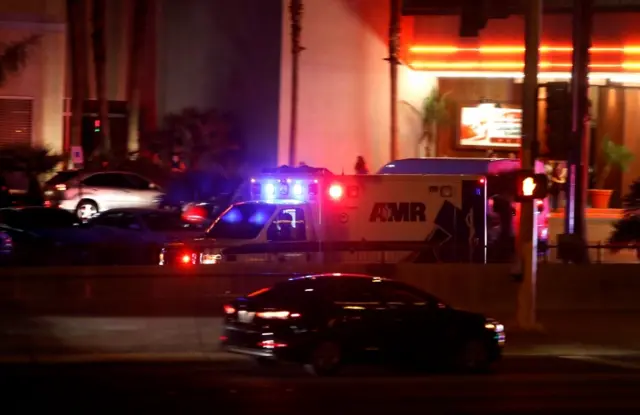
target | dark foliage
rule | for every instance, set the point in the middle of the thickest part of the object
(627, 230)
(14, 56)
(200, 137)
(31, 159)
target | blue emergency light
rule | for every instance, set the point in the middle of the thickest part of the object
(270, 188)
(295, 183)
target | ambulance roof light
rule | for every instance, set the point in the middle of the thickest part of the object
(298, 171)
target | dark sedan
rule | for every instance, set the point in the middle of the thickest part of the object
(324, 321)
(42, 236)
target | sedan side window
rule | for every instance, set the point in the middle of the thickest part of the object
(395, 294)
(113, 180)
(137, 182)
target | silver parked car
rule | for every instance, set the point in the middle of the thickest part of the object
(89, 193)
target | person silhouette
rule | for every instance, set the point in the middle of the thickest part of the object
(361, 166)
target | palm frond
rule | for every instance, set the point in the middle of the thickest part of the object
(14, 56)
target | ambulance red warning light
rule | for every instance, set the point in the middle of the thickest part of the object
(530, 186)
(336, 191)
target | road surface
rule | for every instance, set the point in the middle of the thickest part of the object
(523, 385)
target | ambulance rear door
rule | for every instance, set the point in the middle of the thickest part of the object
(446, 212)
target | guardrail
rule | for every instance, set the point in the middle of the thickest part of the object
(600, 254)
(338, 252)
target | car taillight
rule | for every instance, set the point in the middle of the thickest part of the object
(271, 344)
(61, 187)
(228, 309)
(277, 315)
(194, 213)
(186, 259)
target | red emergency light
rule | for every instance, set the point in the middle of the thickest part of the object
(336, 191)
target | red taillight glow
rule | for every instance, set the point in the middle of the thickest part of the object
(186, 259)
(271, 344)
(481, 181)
(228, 309)
(336, 191)
(194, 214)
(277, 315)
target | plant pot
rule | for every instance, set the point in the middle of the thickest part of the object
(600, 198)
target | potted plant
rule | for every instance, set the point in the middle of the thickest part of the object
(435, 112)
(613, 155)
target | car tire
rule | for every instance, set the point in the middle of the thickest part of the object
(473, 357)
(325, 359)
(86, 205)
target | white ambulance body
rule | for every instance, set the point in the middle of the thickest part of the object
(302, 217)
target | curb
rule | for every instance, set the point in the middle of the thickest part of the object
(184, 357)
(575, 350)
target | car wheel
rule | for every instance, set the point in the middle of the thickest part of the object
(473, 357)
(325, 359)
(86, 209)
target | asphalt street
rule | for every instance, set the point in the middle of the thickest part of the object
(521, 385)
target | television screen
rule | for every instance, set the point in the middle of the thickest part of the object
(488, 126)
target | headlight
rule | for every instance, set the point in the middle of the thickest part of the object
(494, 325)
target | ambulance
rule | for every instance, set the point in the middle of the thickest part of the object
(311, 215)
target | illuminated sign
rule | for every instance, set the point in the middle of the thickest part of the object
(530, 186)
(488, 126)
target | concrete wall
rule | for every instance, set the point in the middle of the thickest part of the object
(150, 291)
(344, 92)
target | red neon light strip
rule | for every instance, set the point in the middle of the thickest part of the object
(632, 65)
(497, 50)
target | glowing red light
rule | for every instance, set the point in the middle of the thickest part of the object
(229, 309)
(186, 259)
(194, 214)
(481, 181)
(336, 191)
(96, 123)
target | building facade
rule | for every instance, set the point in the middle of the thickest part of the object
(235, 56)
(31, 105)
(489, 68)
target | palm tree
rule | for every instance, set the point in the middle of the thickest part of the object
(14, 56)
(395, 16)
(296, 9)
(138, 30)
(78, 46)
(100, 62)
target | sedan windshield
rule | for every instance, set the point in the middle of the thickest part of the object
(242, 221)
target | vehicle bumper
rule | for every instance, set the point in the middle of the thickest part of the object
(265, 344)
(69, 205)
